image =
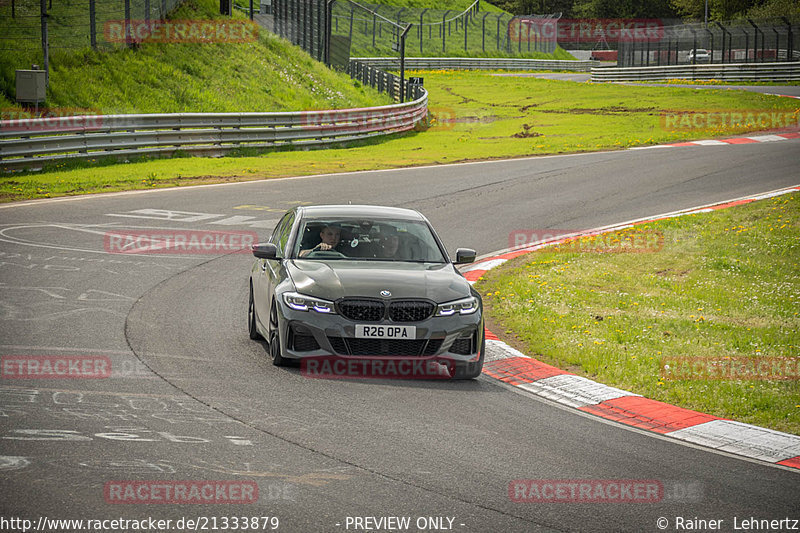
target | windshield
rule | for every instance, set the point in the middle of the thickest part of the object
(367, 240)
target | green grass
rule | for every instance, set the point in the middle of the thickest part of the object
(268, 74)
(724, 286)
(475, 116)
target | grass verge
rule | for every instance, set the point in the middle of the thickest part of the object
(724, 289)
(475, 116)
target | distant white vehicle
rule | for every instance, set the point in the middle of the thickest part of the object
(698, 55)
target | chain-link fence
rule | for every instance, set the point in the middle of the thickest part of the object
(70, 24)
(304, 23)
(729, 42)
(372, 30)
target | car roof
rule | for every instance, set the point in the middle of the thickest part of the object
(358, 211)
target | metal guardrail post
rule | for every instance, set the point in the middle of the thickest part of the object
(777, 43)
(352, 15)
(498, 30)
(45, 41)
(676, 51)
(724, 31)
(92, 25)
(328, 21)
(746, 45)
(465, 22)
(789, 40)
(422, 13)
(483, 32)
(403, 63)
(127, 11)
(711, 50)
(399, 14)
(755, 40)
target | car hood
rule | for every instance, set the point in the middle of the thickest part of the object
(332, 280)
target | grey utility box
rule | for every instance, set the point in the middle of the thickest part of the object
(31, 86)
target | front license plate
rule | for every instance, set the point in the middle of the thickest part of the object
(365, 331)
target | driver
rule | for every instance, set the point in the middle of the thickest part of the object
(330, 235)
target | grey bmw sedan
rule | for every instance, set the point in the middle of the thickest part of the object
(351, 282)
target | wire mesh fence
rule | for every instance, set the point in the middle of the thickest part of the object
(365, 29)
(70, 24)
(303, 23)
(745, 41)
(372, 30)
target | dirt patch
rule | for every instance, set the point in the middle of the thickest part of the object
(671, 272)
(526, 132)
(470, 119)
(610, 110)
(529, 106)
(464, 99)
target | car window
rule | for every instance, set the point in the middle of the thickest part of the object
(368, 240)
(280, 235)
(274, 238)
(284, 234)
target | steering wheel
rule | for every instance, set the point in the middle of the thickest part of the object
(325, 253)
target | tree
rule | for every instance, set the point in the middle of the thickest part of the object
(775, 9)
(623, 9)
(718, 9)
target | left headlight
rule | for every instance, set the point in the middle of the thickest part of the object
(465, 306)
(301, 302)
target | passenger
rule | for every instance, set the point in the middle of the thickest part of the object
(330, 235)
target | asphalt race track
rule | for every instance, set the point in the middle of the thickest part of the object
(191, 398)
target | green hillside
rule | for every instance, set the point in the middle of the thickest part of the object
(267, 74)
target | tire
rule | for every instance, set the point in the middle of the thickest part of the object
(274, 338)
(470, 370)
(251, 318)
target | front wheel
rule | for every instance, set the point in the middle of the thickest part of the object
(251, 317)
(274, 337)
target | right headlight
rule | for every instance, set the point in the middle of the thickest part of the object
(301, 302)
(465, 306)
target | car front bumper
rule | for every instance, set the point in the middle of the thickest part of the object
(307, 334)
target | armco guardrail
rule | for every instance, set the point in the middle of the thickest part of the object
(477, 63)
(789, 71)
(377, 78)
(28, 143)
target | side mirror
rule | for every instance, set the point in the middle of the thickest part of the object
(465, 255)
(265, 250)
